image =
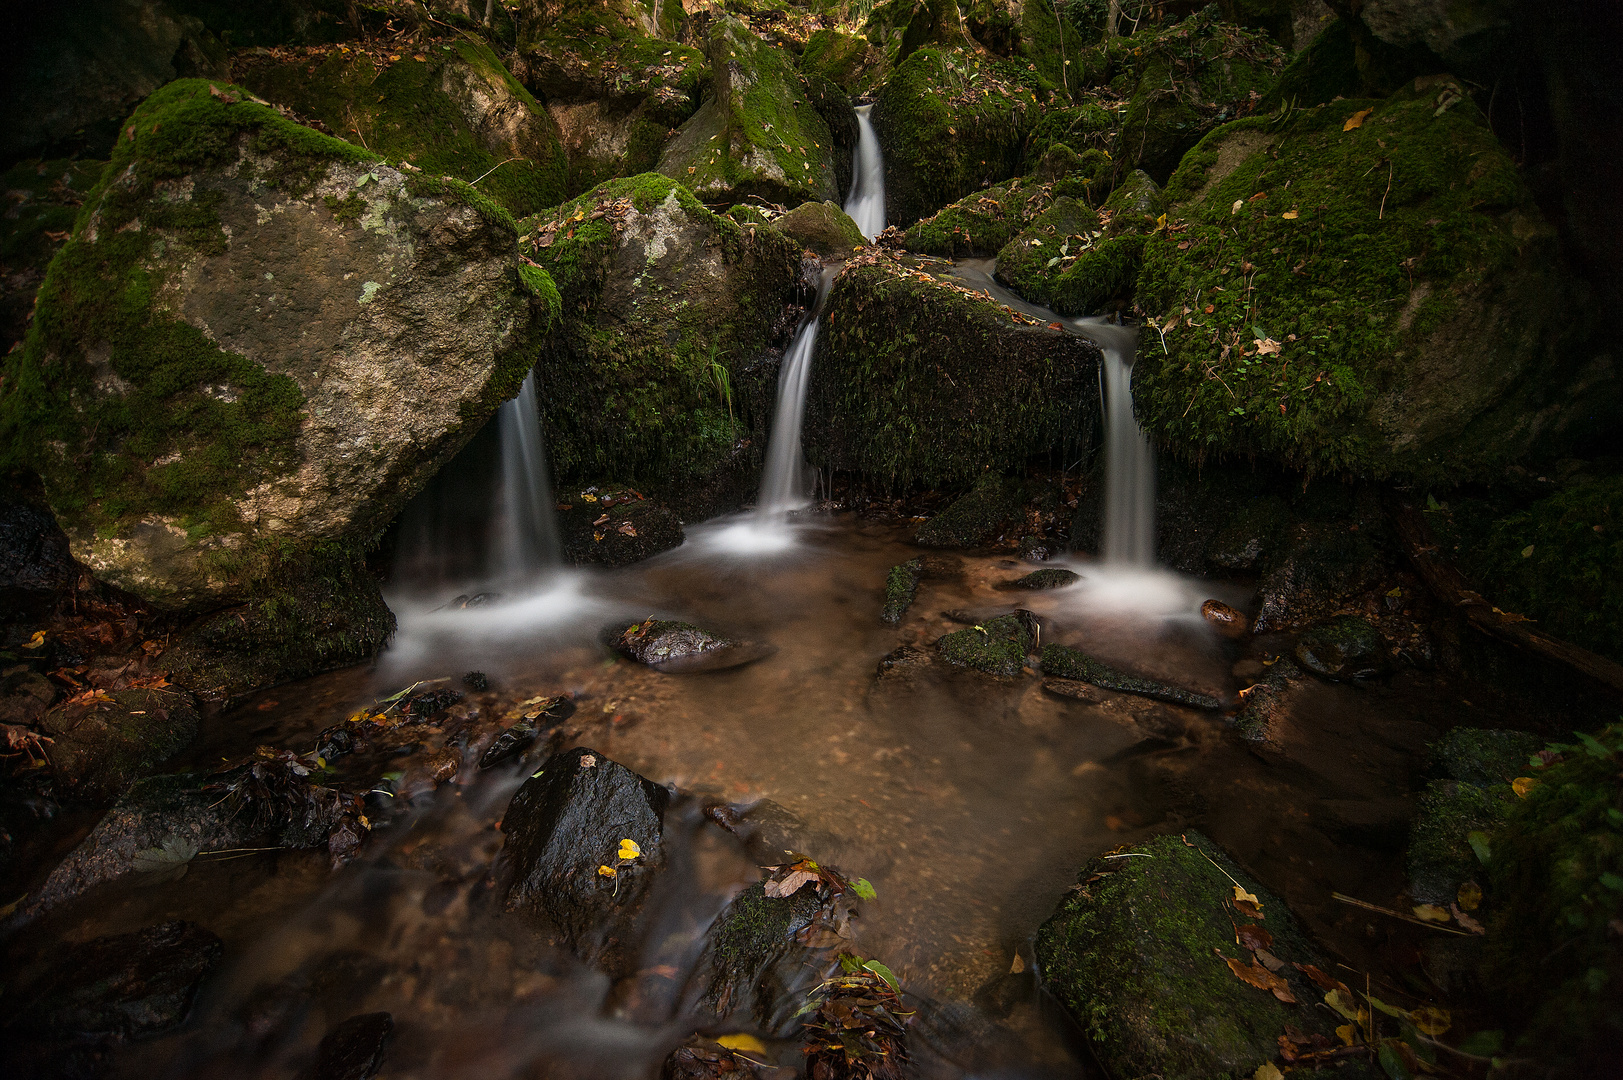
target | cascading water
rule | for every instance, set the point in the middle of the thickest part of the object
(866, 204)
(783, 485)
(1128, 539)
(524, 541)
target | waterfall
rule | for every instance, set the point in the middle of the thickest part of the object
(1129, 504)
(524, 541)
(783, 485)
(866, 204)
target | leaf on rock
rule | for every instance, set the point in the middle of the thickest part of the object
(608, 871)
(36, 641)
(1269, 960)
(1263, 979)
(1479, 844)
(1522, 785)
(1470, 896)
(1466, 921)
(167, 862)
(1356, 120)
(1267, 1071)
(789, 884)
(743, 1042)
(1254, 937)
(1347, 1034)
(1431, 1020)
(1346, 1006)
(629, 849)
(884, 973)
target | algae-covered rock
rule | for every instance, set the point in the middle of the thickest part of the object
(901, 586)
(757, 132)
(663, 303)
(949, 121)
(1347, 647)
(44, 199)
(753, 962)
(1141, 953)
(998, 646)
(920, 380)
(660, 641)
(1065, 662)
(974, 517)
(1053, 577)
(980, 224)
(1442, 854)
(822, 227)
(99, 748)
(212, 386)
(451, 109)
(1484, 756)
(1422, 325)
(1265, 705)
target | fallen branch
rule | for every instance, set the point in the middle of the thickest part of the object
(1367, 906)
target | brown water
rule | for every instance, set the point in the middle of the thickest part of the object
(968, 802)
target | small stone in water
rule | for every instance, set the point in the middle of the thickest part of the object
(476, 680)
(1226, 620)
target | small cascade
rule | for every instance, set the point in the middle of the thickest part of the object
(524, 541)
(1128, 539)
(783, 484)
(866, 204)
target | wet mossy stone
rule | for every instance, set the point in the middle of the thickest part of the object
(1485, 756)
(570, 819)
(1136, 952)
(745, 214)
(457, 111)
(1052, 577)
(753, 963)
(998, 646)
(849, 61)
(978, 225)
(99, 749)
(949, 122)
(919, 380)
(1424, 326)
(901, 586)
(822, 227)
(45, 198)
(659, 295)
(1264, 705)
(757, 131)
(211, 387)
(680, 647)
(1068, 663)
(636, 529)
(1321, 565)
(1251, 534)
(1442, 856)
(975, 517)
(353, 1050)
(1347, 647)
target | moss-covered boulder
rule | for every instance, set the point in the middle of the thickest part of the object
(615, 526)
(663, 304)
(212, 386)
(822, 227)
(1346, 647)
(1142, 952)
(950, 121)
(1369, 289)
(979, 225)
(757, 132)
(44, 199)
(1448, 841)
(998, 646)
(449, 108)
(1485, 756)
(849, 61)
(100, 747)
(918, 379)
(976, 516)
(1064, 662)
(901, 586)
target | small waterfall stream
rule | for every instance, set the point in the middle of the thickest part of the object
(524, 540)
(783, 484)
(866, 203)
(1128, 533)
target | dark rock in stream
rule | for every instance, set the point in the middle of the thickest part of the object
(354, 1049)
(1444, 851)
(901, 586)
(122, 986)
(1052, 577)
(1344, 648)
(1484, 756)
(998, 646)
(974, 518)
(753, 962)
(1143, 954)
(99, 748)
(1263, 703)
(1325, 563)
(35, 563)
(903, 661)
(615, 527)
(583, 843)
(679, 647)
(1226, 620)
(1068, 663)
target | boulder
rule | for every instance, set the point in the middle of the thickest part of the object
(450, 108)
(920, 380)
(757, 131)
(673, 646)
(1142, 953)
(664, 304)
(211, 388)
(353, 1050)
(901, 586)
(1065, 662)
(615, 526)
(1320, 566)
(1264, 704)
(822, 227)
(100, 747)
(998, 646)
(1424, 326)
(36, 566)
(1448, 841)
(975, 517)
(1347, 647)
(1225, 619)
(1485, 757)
(1078, 262)
(902, 663)
(45, 197)
(583, 844)
(754, 962)
(849, 61)
(980, 224)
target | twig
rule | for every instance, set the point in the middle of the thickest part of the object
(1382, 214)
(492, 169)
(1367, 906)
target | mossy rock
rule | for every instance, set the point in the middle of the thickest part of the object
(849, 61)
(998, 646)
(918, 380)
(1554, 890)
(664, 303)
(753, 965)
(950, 122)
(637, 528)
(1319, 566)
(757, 132)
(1347, 647)
(1442, 856)
(1484, 756)
(975, 517)
(210, 389)
(822, 227)
(451, 109)
(100, 748)
(1136, 952)
(1264, 706)
(44, 197)
(1052, 577)
(901, 586)
(979, 225)
(1422, 326)
(1064, 662)
(745, 214)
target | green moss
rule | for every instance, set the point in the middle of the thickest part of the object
(978, 225)
(822, 227)
(745, 214)
(1052, 577)
(997, 647)
(540, 286)
(846, 60)
(901, 586)
(750, 936)
(974, 517)
(1441, 856)
(1484, 757)
(1065, 662)
(1325, 70)
(1068, 261)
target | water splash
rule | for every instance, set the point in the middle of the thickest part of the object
(866, 204)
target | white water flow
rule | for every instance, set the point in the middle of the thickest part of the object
(1129, 506)
(783, 484)
(866, 204)
(524, 540)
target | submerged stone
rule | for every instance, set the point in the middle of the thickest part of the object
(903, 662)
(1053, 577)
(616, 528)
(354, 1049)
(1347, 647)
(998, 646)
(1263, 706)
(1068, 663)
(754, 963)
(974, 518)
(901, 586)
(1142, 953)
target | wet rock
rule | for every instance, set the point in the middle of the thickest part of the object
(565, 827)
(822, 227)
(100, 747)
(1050, 578)
(1096, 264)
(901, 586)
(616, 528)
(354, 1049)
(1228, 621)
(1138, 953)
(1441, 855)
(1068, 663)
(754, 962)
(27, 696)
(1344, 648)
(1324, 564)
(515, 740)
(976, 517)
(1251, 534)
(998, 646)
(1382, 824)
(1263, 704)
(678, 647)
(903, 662)
(1074, 689)
(1484, 756)
(35, 564)
(1036, 549)
(980, 224)
(122, 986)
(476, 681)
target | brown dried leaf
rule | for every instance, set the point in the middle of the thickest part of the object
(790, 884)
(1356, 120)
(1263, 979)
(1254, 937)
(1323, 981)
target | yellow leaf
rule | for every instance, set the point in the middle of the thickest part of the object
(1290, 215)
(1431, 913)
(36, 641)
(607, 871)
(1161, 222)
(1470, 896)
(1348, 1009)
(1347, 1034)
(1241, 894)
(1356, 120)
(1431, 1020)
(743, 1042)
(1521, 786)
(1235, 209)
(1267, 1071)
(630, 850)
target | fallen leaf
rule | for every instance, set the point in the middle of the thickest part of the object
(1235, 209)
(1268, 347)
(1254, 937)
(863, 889)
(36, 641)
(1527, 552)
(1323, 981)
(1241, 894)
(790, 884)
(1290, 215)
(630, 850)
(1260, 977)
(608, 871)
(1248, 909)
(1356, 120)
(1269, 960)
(1267, 1071)
(1470, 895)
(1347, 1034)
(1522, 785)
(1346, 1006)
(1466, 921)
(1431, 1020)
(1431, 913)
(743, 1042)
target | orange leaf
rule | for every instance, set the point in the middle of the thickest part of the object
(1356, 120)
(1263, 979)
(1254, 937)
